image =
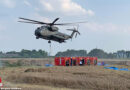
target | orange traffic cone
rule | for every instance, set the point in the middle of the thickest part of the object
(1, 85)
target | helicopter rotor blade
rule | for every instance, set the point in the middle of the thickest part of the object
(78, 32)
(70, 23)
(33, 21)
(78, 29)
(51, 24)
(55, 21)
(29, 22)
(70, 29)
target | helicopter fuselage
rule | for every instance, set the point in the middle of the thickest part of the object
(51, 33)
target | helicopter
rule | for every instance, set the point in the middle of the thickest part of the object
(49, 31)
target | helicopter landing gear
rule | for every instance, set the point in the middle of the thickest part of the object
(49, 41)
(37, 37)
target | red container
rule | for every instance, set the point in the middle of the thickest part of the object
(86, 60)
(1, 84)
(74, 61)
(57, 61)
(81, 61)
(89, 60)
(65, 61)
(95, 60)
(62, 61)
(68, 61)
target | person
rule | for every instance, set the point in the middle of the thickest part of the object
(83, 62)
(88, 62)
(80, 63)
(74, 62)
(71, 62)
(67, 63)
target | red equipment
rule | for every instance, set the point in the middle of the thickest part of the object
(57, 61)
(1, 84)
(65, 61)
(74, 61)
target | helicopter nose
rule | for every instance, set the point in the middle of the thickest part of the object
(37, 33)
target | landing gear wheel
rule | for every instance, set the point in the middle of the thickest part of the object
(37, 37)
(49, 41)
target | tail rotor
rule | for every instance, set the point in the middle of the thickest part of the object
(75, 31)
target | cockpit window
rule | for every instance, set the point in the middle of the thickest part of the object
(42, 27)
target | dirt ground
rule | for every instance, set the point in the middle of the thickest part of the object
(65, 78)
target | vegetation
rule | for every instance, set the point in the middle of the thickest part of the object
(101, 54)
(72, 53)
(14, 64)
(69, 53)
(24, 54)
(79, 78)
(95, 53)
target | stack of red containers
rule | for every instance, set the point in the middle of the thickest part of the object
(75, 61)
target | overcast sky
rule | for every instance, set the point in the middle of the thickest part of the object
(108, 26)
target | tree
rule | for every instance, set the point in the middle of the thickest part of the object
(72, 53)
(97, 53)
(128, 54)
(111, 55)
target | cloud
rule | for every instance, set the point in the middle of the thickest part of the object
(47, 5)
(90, 12)
(8, 3)
(66, 7)
(27, 3)
(97, 27)
(107, 28)
(41, 18)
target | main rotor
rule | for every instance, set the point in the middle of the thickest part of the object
(25, 20)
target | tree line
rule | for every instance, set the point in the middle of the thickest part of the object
(68, 53)
(24, 54)
(95, 53)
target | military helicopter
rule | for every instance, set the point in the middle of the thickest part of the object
(49, 31)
